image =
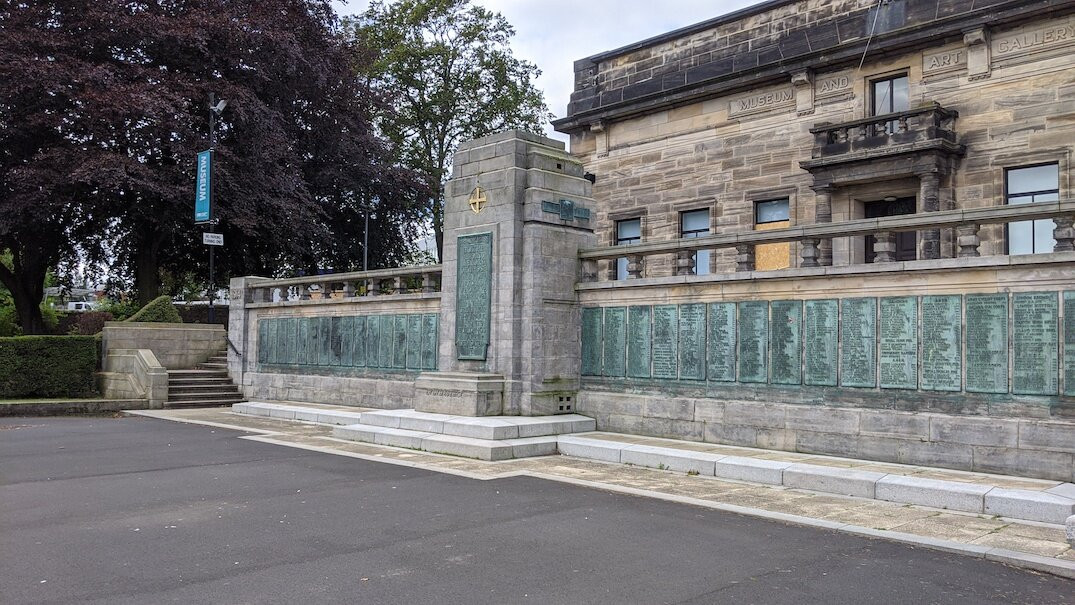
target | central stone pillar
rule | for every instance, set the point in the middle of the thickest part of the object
(517, 210)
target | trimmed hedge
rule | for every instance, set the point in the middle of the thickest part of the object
(48, 366)
(158, 310)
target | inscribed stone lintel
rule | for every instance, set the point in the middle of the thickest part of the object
(473, 296)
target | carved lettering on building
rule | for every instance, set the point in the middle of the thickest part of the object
(949, 60)
(445, 393)
(1034, 40)
(785, 97)
(833, 85)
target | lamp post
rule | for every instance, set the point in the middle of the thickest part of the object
(215, 109)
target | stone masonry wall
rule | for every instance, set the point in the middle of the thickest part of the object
(1014, 89)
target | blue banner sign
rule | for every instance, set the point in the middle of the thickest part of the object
(202, 188)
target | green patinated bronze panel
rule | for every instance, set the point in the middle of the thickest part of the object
(1069, 343)
(325, 356)
(614, 342)
(898, 360)
(785, 357)
(858, 340)
(1035, 364)
(275, 341)
(753, 341)
(358, 354)
(302, 340)
(263, 341)
(414, 342)
(373, 341)
(335, 343)
(591, 341)
(720, 342)
(821, 319)
(987, 343)
(692, 341)
(399, 350)
(473, 294)
(388, 341)
(942, 338)
(347, 341)
(665, 340)
(430, 340)
(291, 328)
(639, 341)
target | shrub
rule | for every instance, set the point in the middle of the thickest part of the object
(120, 309)
(159, 310)
(48, 366)
(88, 323)
(9, 320)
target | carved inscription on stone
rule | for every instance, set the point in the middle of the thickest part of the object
(821, 343)
(898, 360)
(665, 339)
(692, 342)
(944, 61)
(1039, 38)
(430, 338)
(1069, 343)
(591, 341)
(639, 341)
(987, 343)
(721, 342)
(786, 349)
(1034, 343)
(753, 341)
(858, 339)
(473, 294)
(614, 342)
(832, 85)
(942, 354)
(758, 102)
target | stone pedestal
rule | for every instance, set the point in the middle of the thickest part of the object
(460, 393)
(517, 209)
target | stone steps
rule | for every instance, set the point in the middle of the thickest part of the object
(440, 443)
(1051, 505)
(206, 385)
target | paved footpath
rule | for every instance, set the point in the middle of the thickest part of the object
(140, 510)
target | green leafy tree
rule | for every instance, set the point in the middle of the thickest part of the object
(449, 75)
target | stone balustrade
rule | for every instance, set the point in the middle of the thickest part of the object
(965, 222)
(359, 284)
(876, 134)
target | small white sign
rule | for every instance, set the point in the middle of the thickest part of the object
(213, 239)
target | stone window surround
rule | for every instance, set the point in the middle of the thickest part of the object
(869, 79)
(776, 193)
(624, 215)
(1002, 163)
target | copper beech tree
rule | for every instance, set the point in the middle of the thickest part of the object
(104, 104)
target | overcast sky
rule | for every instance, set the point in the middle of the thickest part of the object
(554, 33)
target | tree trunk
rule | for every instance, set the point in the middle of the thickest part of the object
(147, 270)
(26, 282)
(438, 227)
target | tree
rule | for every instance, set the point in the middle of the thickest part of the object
(104, 104)
(450, 75)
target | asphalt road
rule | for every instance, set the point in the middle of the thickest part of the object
(135, 510)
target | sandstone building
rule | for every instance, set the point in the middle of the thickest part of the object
(795, 112)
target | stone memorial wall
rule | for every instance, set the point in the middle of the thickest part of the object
(348, 344)
(1017, 343)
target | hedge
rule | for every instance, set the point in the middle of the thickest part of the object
(160, 310)
(48, 366)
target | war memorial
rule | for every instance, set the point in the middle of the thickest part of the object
(830, 227)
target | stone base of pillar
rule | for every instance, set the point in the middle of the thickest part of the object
(459, 393)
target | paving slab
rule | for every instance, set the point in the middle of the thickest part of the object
(936, 493)
(833, 480)
(1024, 504)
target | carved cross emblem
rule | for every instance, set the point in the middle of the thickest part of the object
(478, 200)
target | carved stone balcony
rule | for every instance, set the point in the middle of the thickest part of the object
(926, 131)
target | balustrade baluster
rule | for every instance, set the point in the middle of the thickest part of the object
(589, 270)
(427, 283)
(634, 266)
(884, 247)
(810, 252)
(304, 292)
(373, 287)
(744, 257)
(685, 263)
(1064, 234)
(967, 239)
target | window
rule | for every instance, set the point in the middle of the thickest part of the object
(889, 96)
(772, 214)
(696, 224)
(1024, 186)
(627, 232)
